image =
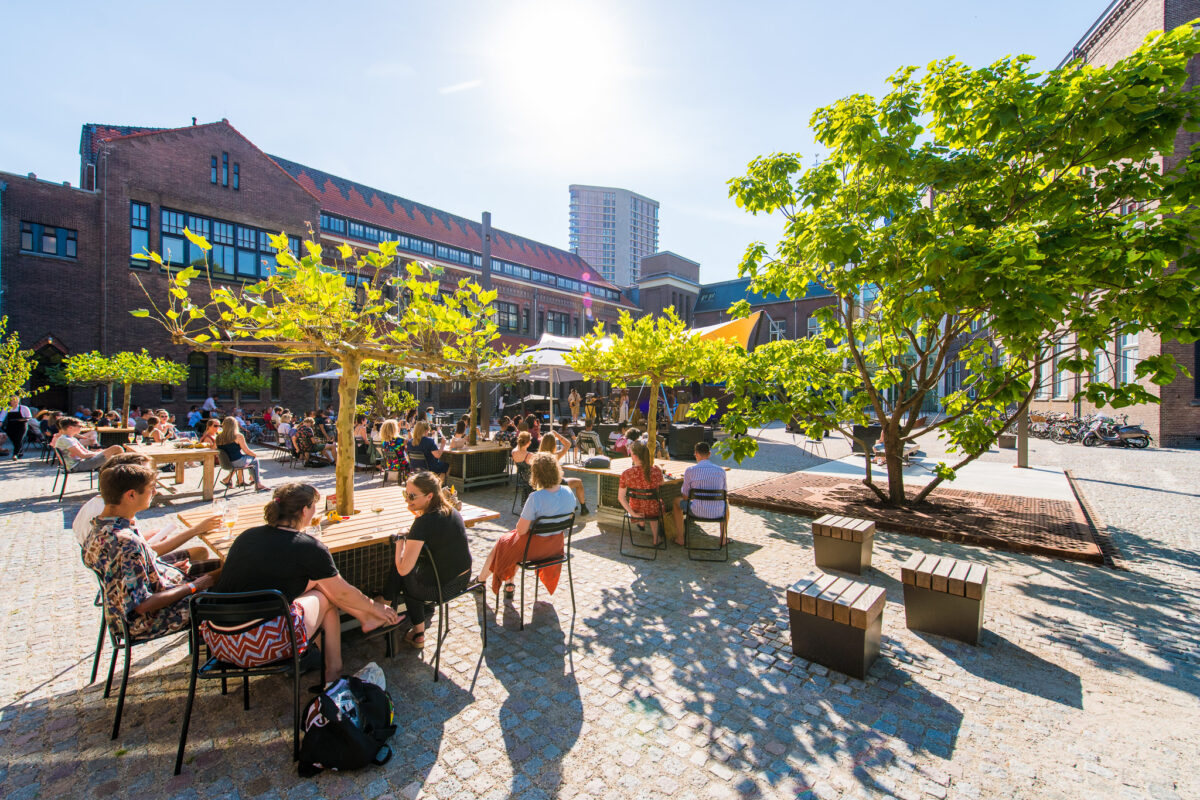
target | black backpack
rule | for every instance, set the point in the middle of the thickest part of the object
(346, 727)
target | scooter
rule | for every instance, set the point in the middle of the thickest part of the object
(1106, 431)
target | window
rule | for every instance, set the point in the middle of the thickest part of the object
(1039, 375)
(223, 256)
(333, 224)
(224, 362)
(508, 317)
(1127, 352)
(197, 380)
(237, 176)
(172, 243)
(212, 173)
(167, 393)
(247, 252)
(48, 240)
(1060, 374)
(139, 231)
(778, 330)
(558, 323)
(814, 327)
(1101, 367)
(224, 169)
(201, 227)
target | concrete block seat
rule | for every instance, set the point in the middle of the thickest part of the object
(944, 596)
(836, 622)
(843, 543)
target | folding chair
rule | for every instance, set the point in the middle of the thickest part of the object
(223, 463)
(708, 495)
(229, 610)
(546, 526)
(443, 602)
(522, 488)
(118, 634)
(64, 472)
(627, 525)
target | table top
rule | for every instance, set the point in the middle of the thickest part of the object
(619, 465)
(346, 534)
(160, 450)
(483, 447)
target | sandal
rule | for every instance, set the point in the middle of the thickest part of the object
(414, 639)
(510, 589)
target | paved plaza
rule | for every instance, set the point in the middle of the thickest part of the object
(675, 679)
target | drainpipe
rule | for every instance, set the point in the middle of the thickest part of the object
(3, 189)
(104, 257)
(485, 281)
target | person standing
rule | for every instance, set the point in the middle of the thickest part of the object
(623, 408)
(573, 402)
(16, 425)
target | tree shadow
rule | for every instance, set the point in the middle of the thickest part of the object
(702, 654)
(1000, 661)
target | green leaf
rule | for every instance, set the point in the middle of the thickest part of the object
(140, 312)
(197, 240)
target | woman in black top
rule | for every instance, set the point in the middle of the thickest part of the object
(438, 529)
(16, 424)
(279, 555)
(231, 442)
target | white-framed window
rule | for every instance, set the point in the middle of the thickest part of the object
(1127, 354)
(1061, 386)
(1043, 388)
(1101, 367)
(778, 330)
(814, 327)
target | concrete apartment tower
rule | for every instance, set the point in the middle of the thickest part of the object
(613, 230)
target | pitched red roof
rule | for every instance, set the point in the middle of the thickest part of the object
(94, 133)
(366, 204)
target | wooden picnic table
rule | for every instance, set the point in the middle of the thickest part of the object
(477, 465)
(180, 456)
(609, 510)
(363, 556)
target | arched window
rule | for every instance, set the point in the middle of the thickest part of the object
(197, 381)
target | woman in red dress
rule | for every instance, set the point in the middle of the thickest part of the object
(642, 475)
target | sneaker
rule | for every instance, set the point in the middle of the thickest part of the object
(583, 510)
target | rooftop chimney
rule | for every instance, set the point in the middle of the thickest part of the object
(193, 122)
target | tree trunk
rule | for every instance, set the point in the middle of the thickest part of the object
(96, 396)
(237, 397)
(110, 400)
(652, 419)
(474, 390)
(893, 453)
(125, 404)
(347, 396)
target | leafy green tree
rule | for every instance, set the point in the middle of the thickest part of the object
(124, 369)
(658, 350)
(16, 365)
(1017, 219)
(238, 378)
(383, 400)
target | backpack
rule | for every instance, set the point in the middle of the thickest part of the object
(346, 727)
(597, 462)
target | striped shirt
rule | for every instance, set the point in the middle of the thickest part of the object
(704, 475)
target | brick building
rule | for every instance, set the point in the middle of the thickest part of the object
(669, 280)
(783, 317)
(1175, 420)
(67, 279)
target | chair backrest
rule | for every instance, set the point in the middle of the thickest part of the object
(551, 526)
(643, 494)
(223, 460)
(707, 495)
(416, 459)
(437, 578)
(229, 609)
(590, 439)
(524, 470)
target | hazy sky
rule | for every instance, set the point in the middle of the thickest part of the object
(498, 106)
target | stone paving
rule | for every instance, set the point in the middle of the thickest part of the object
(674, 679)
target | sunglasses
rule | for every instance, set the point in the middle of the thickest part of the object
(412, 496)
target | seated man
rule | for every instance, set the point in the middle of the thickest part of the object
(702, 475)
(138, 584)
(77, 457)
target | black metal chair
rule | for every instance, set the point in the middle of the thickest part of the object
(546, 526)
(230, 610)
(589, 441)
(442, 602)
(416, 460)
(712, 496)
(627, 526)
(64, 472)
(118, 634)
(522, 488)
(224, 464)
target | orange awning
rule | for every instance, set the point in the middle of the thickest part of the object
(737, 330)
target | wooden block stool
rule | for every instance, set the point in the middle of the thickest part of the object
(944, 596)
(836, 621)
(843, 543)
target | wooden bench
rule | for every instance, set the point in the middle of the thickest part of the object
(843, 543)
(836, 621)
(944, 596)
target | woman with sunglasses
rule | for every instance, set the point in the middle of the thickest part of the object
(438, 530)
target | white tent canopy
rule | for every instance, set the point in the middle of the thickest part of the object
(546, 361)
(334, 374)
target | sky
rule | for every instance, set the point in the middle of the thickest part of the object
(499, 106)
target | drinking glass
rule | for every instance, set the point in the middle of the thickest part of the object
(378, 509)
(230, 517)
(314, 527)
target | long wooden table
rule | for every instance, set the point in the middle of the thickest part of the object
(180, 456)
(363, 557)
(609, 510)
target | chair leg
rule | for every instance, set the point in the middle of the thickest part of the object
(112, 666)
(483, 619)
(187, 708)
(437, 650)
(571, 586)
(296, 705)
(99, 648)
(245, 690)
(121, 695)
(522, 609)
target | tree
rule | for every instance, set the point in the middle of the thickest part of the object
(127, 369)
(307, 309)
(1005, 218)
(384, 401)
(16, 365)
(238, 378)
(658, 350)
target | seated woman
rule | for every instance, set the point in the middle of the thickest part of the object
(141, 583)
(362, 439)
(392, 448)
(642, 475)
(429, 448)
(550, 499)
(308, 443)
(520, 452)
(559, 452)
(438, 529)
(280, 556)
(459, 439)
(209, 437)
(232, 443)
(535, 427)
(77, 457)
(283, 430)
(624, 435)
(154, 432)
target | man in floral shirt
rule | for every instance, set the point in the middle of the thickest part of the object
(138, 583)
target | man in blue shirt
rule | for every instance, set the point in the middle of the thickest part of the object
(702, 475)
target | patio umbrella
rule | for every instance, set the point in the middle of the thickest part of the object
(334, 374)
(546, 361)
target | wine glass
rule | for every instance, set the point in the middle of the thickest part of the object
(314, 526)
(230, 517)
(218, 508)
(378, 510)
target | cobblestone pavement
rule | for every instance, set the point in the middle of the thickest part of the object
(674, 679)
